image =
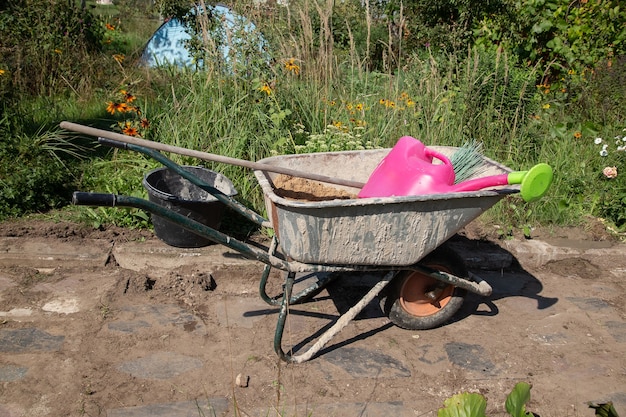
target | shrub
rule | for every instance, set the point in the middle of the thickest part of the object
(36, 172)
(45, 45)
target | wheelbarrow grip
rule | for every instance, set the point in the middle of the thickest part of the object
(112, 143)
(93, 199)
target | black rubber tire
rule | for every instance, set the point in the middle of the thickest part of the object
(435, 314)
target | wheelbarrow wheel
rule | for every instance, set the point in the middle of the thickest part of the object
(416, 301)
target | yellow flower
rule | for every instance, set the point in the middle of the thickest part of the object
(266, 89)
(546, 106)
(410, 103)
(332, 102)
(119, 57)
(578, 135)
(291, 66)
(2, 72)
(404, 96)
(382, 101)
(359, 106)
(57, 51)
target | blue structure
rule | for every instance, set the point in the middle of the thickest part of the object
(167, 46)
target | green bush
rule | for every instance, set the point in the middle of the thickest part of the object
(46, 45)
(37, 172)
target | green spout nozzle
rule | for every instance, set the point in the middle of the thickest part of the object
(534, 182)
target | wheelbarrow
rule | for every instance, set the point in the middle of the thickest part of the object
(403, 239)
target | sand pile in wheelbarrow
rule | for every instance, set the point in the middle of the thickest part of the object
(295, 188)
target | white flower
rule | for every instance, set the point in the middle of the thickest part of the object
(604, 152)
(597, 141)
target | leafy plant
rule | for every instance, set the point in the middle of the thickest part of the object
(37, 172)
(604, 409)
(47, 45)
(475, 405)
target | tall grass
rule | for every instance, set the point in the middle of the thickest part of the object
(340, 79)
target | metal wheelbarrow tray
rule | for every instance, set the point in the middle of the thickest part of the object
(372, 231)
(422, 283)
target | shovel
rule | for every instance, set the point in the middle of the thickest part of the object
(91, 131)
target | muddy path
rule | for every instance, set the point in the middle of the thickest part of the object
(122, 332)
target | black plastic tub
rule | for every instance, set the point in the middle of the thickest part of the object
(170, 190)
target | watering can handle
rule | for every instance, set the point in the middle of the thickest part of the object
(434, 154)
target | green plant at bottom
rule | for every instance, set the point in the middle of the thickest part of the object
(474, 405)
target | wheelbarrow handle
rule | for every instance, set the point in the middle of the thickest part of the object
(112, 143)
(80, 198)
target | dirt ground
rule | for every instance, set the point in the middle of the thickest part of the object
(99, 329)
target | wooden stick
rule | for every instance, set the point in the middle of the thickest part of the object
(206, 156)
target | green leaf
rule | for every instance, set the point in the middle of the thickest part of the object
(542, 26)
(604, 410)
(517, 399)
(559, 130)
(464, 405)
(590, 129)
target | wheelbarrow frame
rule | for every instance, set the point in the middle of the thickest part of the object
(271, 256)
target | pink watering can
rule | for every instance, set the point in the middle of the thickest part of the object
(410, 169)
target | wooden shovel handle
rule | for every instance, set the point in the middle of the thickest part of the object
(205, 156)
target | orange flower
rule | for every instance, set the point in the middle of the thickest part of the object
(110, 26)
(145, 123)
(119, 57)
(111, 107)
(578, 135)
(127, 96)
(130, 130)
(122, 107)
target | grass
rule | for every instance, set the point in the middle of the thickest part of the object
(314, 99)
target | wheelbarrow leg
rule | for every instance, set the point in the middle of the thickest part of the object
(332, 331)
(303, 295)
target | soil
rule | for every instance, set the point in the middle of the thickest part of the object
(303, 189)
(125, 315)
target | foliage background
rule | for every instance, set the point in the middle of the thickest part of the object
(534, 80)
